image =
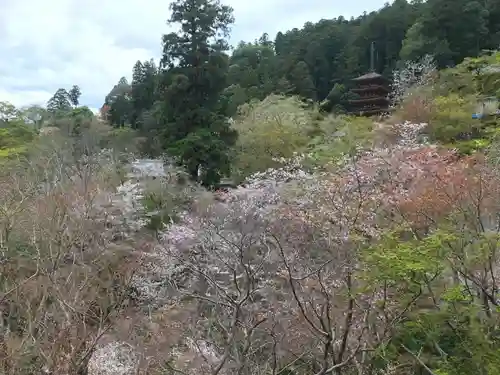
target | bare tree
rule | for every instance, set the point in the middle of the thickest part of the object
(63, 281)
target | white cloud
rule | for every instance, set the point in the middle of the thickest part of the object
(45, 45)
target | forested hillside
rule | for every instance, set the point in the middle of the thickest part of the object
(344, 245)
(309, 60)
(315, 62)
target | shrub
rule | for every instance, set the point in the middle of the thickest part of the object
(166, 198)
(451, 120)
(15, 139)
(339, 135)
(416, 107)
(413, 89)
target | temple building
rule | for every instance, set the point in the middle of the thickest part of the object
(371, 95)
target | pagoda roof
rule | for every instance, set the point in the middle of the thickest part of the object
(368, 76)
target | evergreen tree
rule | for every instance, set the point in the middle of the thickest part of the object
(119, 102)
(195, 71)
(302, 81)
(59, 103)
(74, 95)
(143, 94)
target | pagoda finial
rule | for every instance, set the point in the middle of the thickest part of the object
(372, 57)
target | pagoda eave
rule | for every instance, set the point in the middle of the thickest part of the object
(369, 112)
(380, 100)
(370, 88)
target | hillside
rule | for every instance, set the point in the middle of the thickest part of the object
(350, 245)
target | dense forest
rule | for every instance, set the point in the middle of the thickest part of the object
(315, 62)
(342, 244)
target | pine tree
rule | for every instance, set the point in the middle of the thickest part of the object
(195, 71)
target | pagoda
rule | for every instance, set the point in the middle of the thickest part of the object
(370, 91)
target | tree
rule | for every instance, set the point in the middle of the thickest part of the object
(336, 99)
(268, 130)
(119, 102)
(232, 97)
(8, 112)
(144, 90)
(301, 79)
(60, 102)
(74, 95)
(35, 115)
(194, 76)
(448, 30)
(254, 67)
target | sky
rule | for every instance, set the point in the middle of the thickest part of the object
(48, 44)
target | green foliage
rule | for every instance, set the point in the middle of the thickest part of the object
(437, 33)
(279, 126)
(165, 199)
(60, 103)
(273, 128)
(15, 138)
(301, 79)
(452, 121)
(74, 95)
(119, 102)
(15, 134)
(339, 135)
(475, 75)
(451, 336)
(253, 74)
(143, 92)
(407, 261)
(337, 99)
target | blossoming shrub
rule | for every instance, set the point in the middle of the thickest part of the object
(413, 90)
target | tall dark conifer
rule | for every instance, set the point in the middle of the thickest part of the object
(194, 76)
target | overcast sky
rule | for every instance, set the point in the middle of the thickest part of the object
(47, 44)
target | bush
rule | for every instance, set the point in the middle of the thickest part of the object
(451, 119)
(166, 198)
(122, 140)
(15, 138)
(413, 90)
(416, 107)
(339, 135)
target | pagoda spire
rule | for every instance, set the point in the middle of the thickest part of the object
(372, 57)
